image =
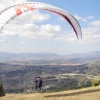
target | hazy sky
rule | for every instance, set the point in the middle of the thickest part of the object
(41, 31)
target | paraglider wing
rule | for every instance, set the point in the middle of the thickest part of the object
(11, 12)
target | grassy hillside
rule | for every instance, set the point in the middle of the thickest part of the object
(92, 93)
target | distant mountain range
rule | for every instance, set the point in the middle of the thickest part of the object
(6, 55)
(77, 55)
(89, 56)
(86, 55)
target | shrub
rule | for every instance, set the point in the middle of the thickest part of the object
(95, 82)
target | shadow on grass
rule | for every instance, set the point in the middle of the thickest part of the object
(74, 93)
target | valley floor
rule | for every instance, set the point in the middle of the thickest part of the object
(92, 93)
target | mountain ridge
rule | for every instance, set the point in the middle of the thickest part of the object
(53, 58)
(87, 54)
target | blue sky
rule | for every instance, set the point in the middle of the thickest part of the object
(56, 36)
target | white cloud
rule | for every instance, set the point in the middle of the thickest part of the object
(48, 31)
(95, 23)
(67, 37)
(90, 17)
(2, 41)
(83, 19)
(23, 42)
(6, 3)
(90, 35)
(80, 18)
(30, 31)
(31, 17)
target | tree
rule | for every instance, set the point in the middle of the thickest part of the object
(2, 93)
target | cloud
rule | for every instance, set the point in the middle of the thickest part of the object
(90, 17)
(30, 31)
(95, 23)
(80, 18)
(83, 19)
(31, 17)
(49, 32)
(23, 42)
(69, 37)
(90, 34)
(2, 41)
(6, 3)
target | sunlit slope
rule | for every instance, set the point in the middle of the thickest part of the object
(92, 93)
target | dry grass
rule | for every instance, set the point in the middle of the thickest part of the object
(82, 94)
